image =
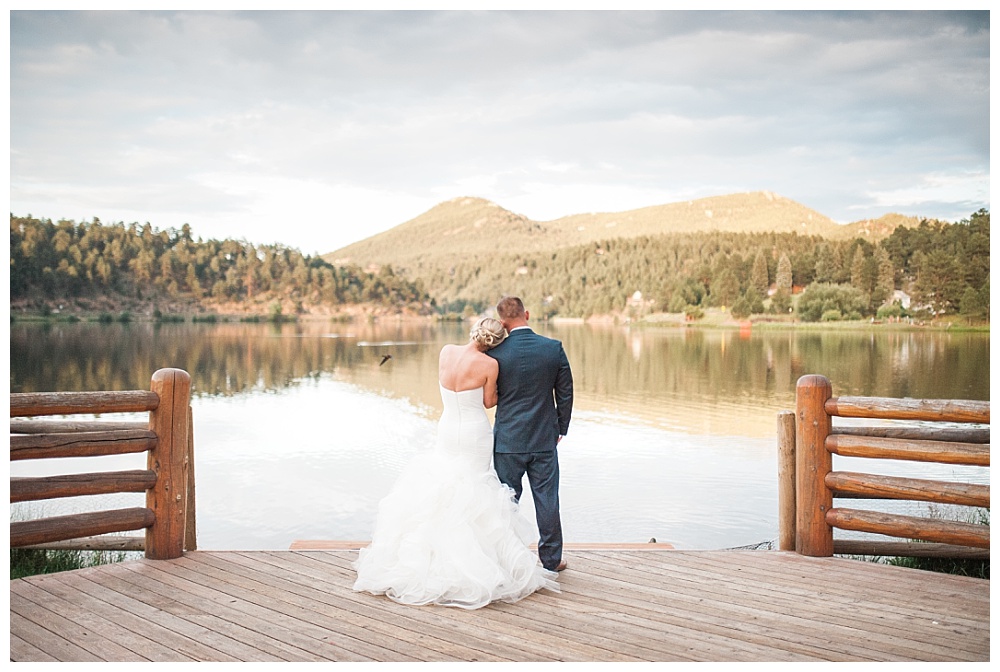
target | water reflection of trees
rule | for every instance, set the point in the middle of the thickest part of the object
(223, 359)
(724, 364)
(233, 358)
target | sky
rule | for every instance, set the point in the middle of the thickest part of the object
(316, 129)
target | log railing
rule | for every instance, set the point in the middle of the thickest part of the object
(168, 480)
(807, 440)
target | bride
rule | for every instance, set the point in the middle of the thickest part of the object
(449, 532)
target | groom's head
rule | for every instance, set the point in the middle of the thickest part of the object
(511, 312)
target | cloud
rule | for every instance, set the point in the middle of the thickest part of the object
(358, 121)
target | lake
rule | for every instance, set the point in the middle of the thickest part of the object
(299, 432)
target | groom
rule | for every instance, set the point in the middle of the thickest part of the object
(535, 388)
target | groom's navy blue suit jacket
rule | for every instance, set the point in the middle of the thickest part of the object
(535, 389)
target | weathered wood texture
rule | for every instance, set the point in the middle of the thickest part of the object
(813, 535)
(59, 528)
(921, 433)
(109, 542)
(786, 481)
(169, 480)
(64, 426)
(944, 452)
(615, 606)
(81, 444)
(886, 408)
(29, 404)
(875, 486)
(168, 498)
(907, 549)
(816, 484)
(29, 489)
(911, 527)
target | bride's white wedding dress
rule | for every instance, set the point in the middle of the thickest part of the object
(449, 532)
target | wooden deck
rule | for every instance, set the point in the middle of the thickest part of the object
(625, 604)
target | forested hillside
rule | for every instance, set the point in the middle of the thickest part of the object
(68, 260)
(943, 267)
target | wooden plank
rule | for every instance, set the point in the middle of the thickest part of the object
(293, 641)
(22, 651)
(436, 641)
(765, 606)
(82, 444)
(57, 528)
(56, 646)
(27, 489)
(228, 637)
(30, 404)
(801, 609)
(595, 621)
(876, 486)
(566, 628)
(80, 608)
(784, 622)
(74, 426)
(153, 620)
(552, 644)
(355, 633)
(910, 527)
(901, 449)
(887, 408)
(920, 433)
(905, 591)
(64, 620)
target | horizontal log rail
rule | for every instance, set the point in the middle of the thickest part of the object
(912, 527)
(943, 452)
(908, 549)
(920, 433)
(30, 404)
(807, 440)
(887, 408)
(60, 528)
(81, 444)
(117, 542)
(873, 486)
(71, 426)
(29, 489)
(168, 481)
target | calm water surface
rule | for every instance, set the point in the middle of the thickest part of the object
(299, 432)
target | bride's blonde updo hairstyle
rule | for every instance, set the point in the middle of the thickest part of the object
(488, 332)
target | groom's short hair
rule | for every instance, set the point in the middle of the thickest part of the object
(510, 307)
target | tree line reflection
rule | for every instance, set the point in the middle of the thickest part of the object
(644, 363)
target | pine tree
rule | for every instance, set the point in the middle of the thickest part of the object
(758, 276)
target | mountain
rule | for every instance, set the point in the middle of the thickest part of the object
(469, 226)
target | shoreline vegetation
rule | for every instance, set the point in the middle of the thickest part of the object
(712, 318)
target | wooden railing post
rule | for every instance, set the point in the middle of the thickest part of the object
(191, 527)
(813, 536)
(786, 481)
(170, 461)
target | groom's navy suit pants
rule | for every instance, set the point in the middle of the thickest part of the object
(535, 401)
(543, 476)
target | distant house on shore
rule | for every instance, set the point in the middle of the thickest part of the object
(902, 298)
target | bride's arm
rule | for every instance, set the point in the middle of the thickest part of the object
(490, 395)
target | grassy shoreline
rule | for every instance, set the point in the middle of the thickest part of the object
(713, 319)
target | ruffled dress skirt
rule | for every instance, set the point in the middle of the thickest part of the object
(449, 533)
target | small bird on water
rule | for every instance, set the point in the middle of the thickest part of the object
(385, 358)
